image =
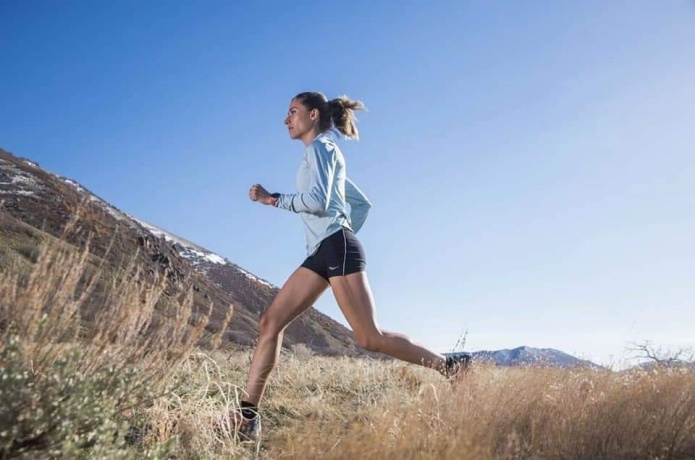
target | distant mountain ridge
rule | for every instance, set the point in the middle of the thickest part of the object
(529, 356)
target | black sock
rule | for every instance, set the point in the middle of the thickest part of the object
(248, 410)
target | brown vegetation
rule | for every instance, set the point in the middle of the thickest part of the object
(36, 205)
(135, 384)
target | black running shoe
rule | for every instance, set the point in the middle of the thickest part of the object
(457, 365)
(241, 428)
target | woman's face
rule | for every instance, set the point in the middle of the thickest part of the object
(300, 121)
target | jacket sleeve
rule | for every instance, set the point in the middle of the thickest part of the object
(322, 165)
(359, 205)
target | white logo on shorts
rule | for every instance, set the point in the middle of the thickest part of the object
(334, 268)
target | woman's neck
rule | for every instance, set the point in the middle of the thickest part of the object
(310, 136)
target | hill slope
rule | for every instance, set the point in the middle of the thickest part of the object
(36, 205)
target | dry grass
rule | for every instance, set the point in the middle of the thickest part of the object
(74, 378)
(150, 392)
(320, 407)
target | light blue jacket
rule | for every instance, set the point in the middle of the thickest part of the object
(326, 200)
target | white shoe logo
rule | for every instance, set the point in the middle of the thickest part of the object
(334, 268)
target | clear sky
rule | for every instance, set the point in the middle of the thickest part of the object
(531, 164)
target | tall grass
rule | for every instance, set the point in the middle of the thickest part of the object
(82, 354)
(127, 381)
(345, 408)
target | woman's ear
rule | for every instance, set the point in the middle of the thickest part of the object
(313, 115)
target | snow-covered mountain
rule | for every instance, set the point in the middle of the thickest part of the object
(529, 356)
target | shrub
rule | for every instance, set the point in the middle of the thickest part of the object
(62, 412)
(68, 389)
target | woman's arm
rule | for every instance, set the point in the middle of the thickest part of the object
(359, 205)
(322, 165)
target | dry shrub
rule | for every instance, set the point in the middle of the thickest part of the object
(301, 350)
(67, 390)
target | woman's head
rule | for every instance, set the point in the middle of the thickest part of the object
(312, 110)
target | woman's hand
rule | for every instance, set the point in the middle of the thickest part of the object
(260, 194)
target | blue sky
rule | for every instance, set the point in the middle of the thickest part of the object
(531, 164)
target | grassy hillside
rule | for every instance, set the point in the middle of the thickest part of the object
(36, 206)
(137, 386)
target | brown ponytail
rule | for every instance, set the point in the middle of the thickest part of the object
(338, 112)
(342, 110)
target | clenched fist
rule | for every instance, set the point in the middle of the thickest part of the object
(260, 194)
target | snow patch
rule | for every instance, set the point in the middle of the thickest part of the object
(115, 213)
(159, 233)
(17, 192)
(22, 182)
(118, 215)
(254, 277)
(74, 184)
(195, 254)
(22, 179)
(189, 251)
(199, 256)
(215, 259)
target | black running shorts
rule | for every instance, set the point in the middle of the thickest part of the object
(339, 254)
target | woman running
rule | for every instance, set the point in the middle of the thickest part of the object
(333, 210)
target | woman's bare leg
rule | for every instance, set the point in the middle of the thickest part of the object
(354, 296)
(299, 292)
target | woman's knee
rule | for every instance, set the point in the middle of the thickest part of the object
(268, 326)
(370, 341)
